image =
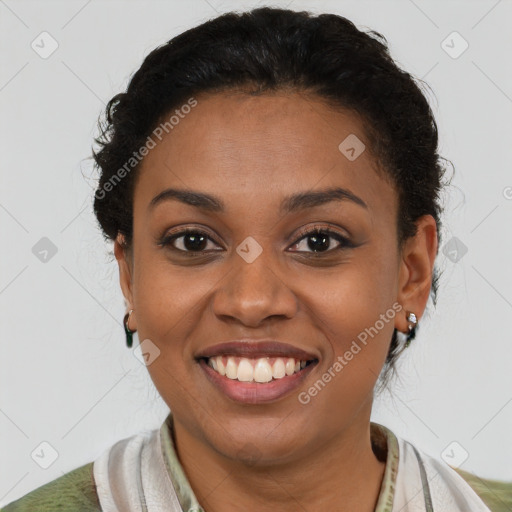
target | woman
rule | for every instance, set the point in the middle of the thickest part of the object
(271, 184)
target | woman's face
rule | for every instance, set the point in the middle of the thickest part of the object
(257, 275)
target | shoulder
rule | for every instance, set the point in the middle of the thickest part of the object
(74, 490)
(496, 494)
(446, 487)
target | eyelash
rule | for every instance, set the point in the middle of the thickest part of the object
(345, 243)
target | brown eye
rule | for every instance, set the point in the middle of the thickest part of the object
(320, 240)
(187, 240)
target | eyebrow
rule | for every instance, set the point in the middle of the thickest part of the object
(290, 204)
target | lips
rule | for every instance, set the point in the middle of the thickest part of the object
(272, 384)
(256, 348)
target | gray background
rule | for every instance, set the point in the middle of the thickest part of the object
(67, 378)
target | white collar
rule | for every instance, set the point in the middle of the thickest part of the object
(426, 484)
(132, 476)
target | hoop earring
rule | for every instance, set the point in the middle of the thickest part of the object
(411, 317)
(128, 332)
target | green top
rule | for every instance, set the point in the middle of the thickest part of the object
(76, 490)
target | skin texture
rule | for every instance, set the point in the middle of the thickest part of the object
(252, 151)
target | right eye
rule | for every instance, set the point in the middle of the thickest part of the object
(187, 240)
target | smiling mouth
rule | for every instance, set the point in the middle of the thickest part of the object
(259, 370)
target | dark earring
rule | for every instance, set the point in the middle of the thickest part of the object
(411, 317)
(128, 332)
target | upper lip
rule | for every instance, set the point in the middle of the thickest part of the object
(255, 348)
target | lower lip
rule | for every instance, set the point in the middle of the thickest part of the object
(256, 392)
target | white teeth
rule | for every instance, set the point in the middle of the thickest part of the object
(278, 370)
(220, 365)
(245, 370)
(290, 366)
(255, 370)
(231, 368)
(262, 371)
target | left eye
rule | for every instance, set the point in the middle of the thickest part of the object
(193, 241)
(319, 240)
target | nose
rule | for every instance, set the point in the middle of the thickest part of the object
(252, 292)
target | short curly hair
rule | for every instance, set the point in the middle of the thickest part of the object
(272, 49)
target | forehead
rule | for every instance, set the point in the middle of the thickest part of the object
(267, 146)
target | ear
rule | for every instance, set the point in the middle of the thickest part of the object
(416, 268)
(124, 260)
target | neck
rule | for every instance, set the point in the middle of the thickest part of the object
(343, 475)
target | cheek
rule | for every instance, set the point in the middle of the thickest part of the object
(352, 297)
(168, 303)
(353, 309)
(359, 328)
(172, 305)
(169, 300)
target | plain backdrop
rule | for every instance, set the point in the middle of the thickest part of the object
(67, 379)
